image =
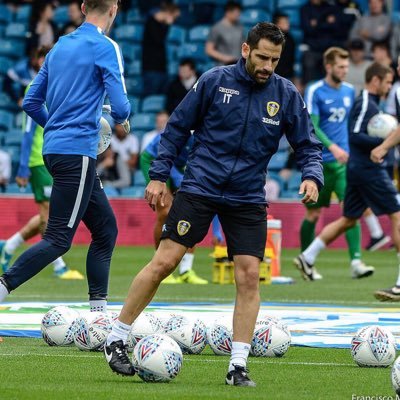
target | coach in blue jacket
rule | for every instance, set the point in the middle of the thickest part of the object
(238, 113)
(66, 98)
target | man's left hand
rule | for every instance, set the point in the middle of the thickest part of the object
(310, 191)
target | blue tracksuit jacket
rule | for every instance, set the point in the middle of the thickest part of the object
(237, 126)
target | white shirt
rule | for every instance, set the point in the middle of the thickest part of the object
(147, 139)
(5, 165)
(125, 148)
(394, 95)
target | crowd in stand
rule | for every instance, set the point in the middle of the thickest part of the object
(172, 43)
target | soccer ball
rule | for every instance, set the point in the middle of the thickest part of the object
(105, 134)
(91, 331)
(145, 324)
(396, 376)
(157, 358)
(57, 326)
(373, 346)
(271, 338)
(189, 334)
(219, 336)
(381, 125)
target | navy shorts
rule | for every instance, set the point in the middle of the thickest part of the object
(379, 194)
(244, 225)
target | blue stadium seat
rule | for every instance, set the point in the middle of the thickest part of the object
(294, 16)
(61, 15)
(186, 17)
(13, 188)
(396, 17)
(153, 104)
(252, 16)
(13, 137)
(176, 35)
(135, 104)
(199, 33)
(5, 14)
(294, 181)
(16, 30)
(266, 5)
(290, 3)
(12, 48)
(134, 85)
(173, 68)
(172, 52)
(192, 50)
(138, 179)
(23, 13)
(14, 152)
(133, 33)
(143, 121)
(18, 120)
(6, 103)
(6, 120)
(205, 66)
(131, 52)
(5, 65)
(278, 161)
(111, 191)
(2, 30)
(133, 16)
(133, 191)
(134, 68)
(297, 35)
(276, 177)
(290, 194)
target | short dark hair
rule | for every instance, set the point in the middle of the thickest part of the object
(265, 30)
(381, 45)
(100, 6)
(188, 61)
(377, 69)
(232, 5)
(279, 15)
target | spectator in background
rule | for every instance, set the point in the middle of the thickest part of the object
(154, 53)
(161, 121)
(22, 73)
(285, 66)
(395, 40)
(43, 31)
(184, 81)
(319, 25)
(373, 27)
(75, 17)
(5, 169)
(393, 101)
(346, 13)
(381, 53)
(226, 36)
(358, 64)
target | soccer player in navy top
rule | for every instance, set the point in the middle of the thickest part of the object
(66, 98)
(329, 102)
(368, 184)
(238, 114)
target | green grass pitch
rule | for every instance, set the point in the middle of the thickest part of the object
(29, 369)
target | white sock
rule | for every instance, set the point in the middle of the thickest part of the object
(58, 264)
(239, 354)
(13, 243)
(311, 252)
(398, 277)
(98, 305)
(3, 292)
(119, 331)
(374, 227)
(355, 263)
(186, 263)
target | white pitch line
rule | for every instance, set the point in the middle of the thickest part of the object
(216, 360)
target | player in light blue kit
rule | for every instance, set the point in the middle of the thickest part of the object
(66, 98)
(329, 101)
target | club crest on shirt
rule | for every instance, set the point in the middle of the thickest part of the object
(183, 227)
(346, 101)
(272, 108)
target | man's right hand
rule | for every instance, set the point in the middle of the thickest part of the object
(21, 182)
(341, 155)
(155, 191)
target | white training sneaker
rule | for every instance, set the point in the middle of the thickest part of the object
(361, 270)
